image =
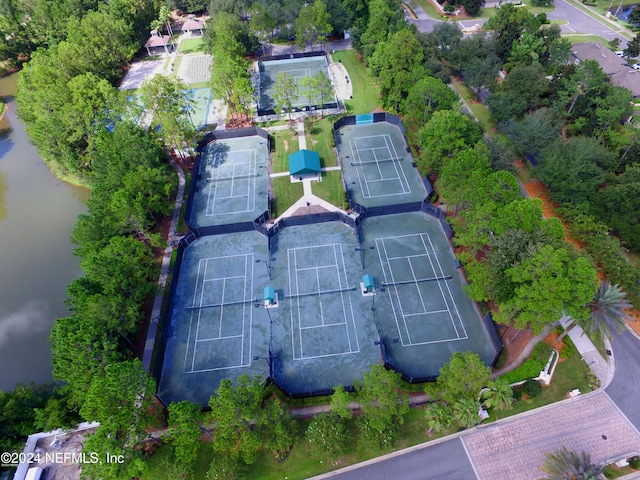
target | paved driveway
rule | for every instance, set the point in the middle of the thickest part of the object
(516, 449)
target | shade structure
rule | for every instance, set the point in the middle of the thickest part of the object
(269, 294)
(304, 162)
(367, 281)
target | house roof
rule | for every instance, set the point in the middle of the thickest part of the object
(620, 74)
(304, 162)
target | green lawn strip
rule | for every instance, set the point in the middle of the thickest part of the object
(330, 188)
(365, 94)
(569, 374)
(480, 111)
(272, 123)
(175, 67)
(199, 85)
(586, 38)
(428, 7)
(319, 136)
(301, 462)
(286, 193)
(191, 45)
(286, 142)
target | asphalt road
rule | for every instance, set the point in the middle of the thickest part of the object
(624, 389)
(443, 461)
(580, 22)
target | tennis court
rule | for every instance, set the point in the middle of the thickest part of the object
(376, 166)
(232, 182)
(199, 110)
(421, 308)
(298, 68)
(215, 328)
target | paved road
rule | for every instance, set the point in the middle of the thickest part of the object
(580, 22)
(624, 390)
(443, 461)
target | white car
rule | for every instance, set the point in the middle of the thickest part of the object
(636, 66)
(619, 53)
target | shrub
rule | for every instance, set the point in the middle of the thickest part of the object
(449, 8)
(529, 369)
(569, 348)
(541, 352)
(516, 394)
(502, 358)
(532, 388)
(634, 463)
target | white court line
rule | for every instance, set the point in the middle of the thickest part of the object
(340, 282)
(424, 313)
(455, 305)
(413, 274)
(395, 165)
(363, 181)
(247, 287)
(251, 180)
(406, 328)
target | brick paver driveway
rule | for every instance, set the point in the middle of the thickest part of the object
(515, 450)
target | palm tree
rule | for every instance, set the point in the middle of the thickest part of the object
(569, 465)
(438, 417)
(499, 395)
(465, 412)
(607, 307)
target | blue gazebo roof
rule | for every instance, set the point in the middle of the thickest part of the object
(304, 162)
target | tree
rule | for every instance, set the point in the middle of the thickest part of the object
(323, 88)
(328, 435)
(308, 88)
(505, 106)
(463, 376)
(571, 169)
(278, 430)
(262, 23)
(385, 18)
(607, 308)
(534, 132)
(459, 175)
(185, 432)
(446, 133)
(285, 92)
(620, 203)
(439, 417)
(122, 401)
(527, 82)
(168, 101)
(312, 23)
(397, 64)
(508, 24)
(498, 395)
(480, 73)
(549, 284)
(233, 414)
(340, 400)
(569, 465)
(465, 412)
(382, 406)
(633, 47)
(426, 96)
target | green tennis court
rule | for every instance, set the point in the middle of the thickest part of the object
(376, 166)
(232, 182)
(298, 68)
(199, 111)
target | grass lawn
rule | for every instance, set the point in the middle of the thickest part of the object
(192, 45)
(286, 193)
(429, 8)
(480, 111)
(570, 373)
(301, 462)
(586, 38)
(286, 142)
(330, 188)
(319, 136)
(365, 93)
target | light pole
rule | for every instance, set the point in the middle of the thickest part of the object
(362, 252)
(268, 264)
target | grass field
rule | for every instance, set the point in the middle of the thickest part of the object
(286, 193)
(365, 93)
(570, 373)
(192, 45)
(330, 188)
(301, 462)
(319, 136)
(286, 143)
(480, 111)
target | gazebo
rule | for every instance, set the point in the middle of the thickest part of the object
(193, 24)
(304, 164)
(158, 40)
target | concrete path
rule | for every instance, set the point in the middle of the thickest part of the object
(524, 354)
